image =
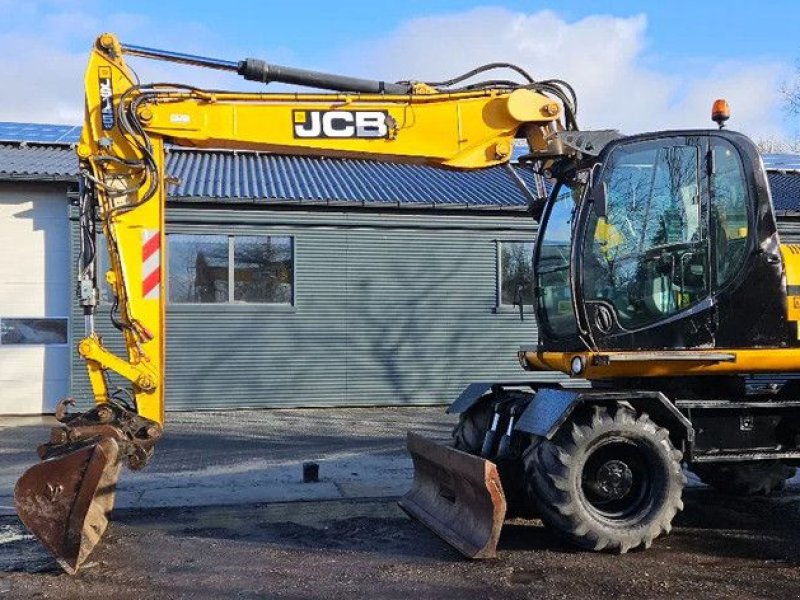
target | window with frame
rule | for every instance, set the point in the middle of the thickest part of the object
(228, 269)
(729, 225)
(16, 331)
(648, 256)
(516, 273)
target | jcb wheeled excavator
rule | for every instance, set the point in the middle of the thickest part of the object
(660, 285)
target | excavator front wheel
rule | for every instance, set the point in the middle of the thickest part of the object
(611, 480)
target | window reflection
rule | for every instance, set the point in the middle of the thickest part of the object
(14, 331)
(262, 269)
(729, 220)
(647, 257)
(202, 267)
(553, 262)
(198, 268)
(516, 277)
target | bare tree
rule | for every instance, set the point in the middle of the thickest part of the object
(790, 90)
(790, 93)
(775, 145)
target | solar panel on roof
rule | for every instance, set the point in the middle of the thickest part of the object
(781, 161)
(39, 132)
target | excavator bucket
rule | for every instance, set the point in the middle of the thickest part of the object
(64, 501)
(457, 495)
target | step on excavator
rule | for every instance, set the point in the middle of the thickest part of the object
(661, 289)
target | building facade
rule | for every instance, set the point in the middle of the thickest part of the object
(291, 281)
(35, 278)
(311, 282)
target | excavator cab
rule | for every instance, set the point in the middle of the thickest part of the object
(649, 247)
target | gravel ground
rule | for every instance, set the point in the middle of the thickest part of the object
(253, 456)
(720, 548)
(345, 547)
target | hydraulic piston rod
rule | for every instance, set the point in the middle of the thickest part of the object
(254, 69)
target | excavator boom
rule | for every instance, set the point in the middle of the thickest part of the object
(65, 499)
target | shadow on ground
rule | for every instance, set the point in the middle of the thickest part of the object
(721, 547)
(712, 524)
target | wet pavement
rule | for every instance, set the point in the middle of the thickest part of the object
(346, 537)
(720, 548)
(251, 456)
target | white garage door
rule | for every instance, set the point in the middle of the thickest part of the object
(35, 278)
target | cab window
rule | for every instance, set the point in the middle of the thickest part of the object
(647, 256)
(552, 266)
(729, 223)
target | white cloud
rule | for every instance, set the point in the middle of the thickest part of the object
(604, 57)
(44, 47)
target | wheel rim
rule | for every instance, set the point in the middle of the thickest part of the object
(616, 481)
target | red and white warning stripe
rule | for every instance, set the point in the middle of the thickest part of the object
(151, 264)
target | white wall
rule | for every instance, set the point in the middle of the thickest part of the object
(35, 282)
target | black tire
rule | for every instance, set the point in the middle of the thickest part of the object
(745, 479)
(468, 437)
(472, 425)
(607, 482)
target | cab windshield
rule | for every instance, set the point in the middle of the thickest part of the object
(647, 257)
(552, 262)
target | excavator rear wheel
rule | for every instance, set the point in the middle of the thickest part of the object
(746, 479)
(468, 437)
(611, 480)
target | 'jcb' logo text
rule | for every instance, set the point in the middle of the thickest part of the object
(106, 98)
(340, 124)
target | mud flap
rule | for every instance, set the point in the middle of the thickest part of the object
(457, 495)
(65, 501)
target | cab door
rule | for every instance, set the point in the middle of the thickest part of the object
(644, 280)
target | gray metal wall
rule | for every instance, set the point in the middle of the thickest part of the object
(789, 229)
(391, 308)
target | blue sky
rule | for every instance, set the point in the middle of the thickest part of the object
(637, 65)
(698, 30)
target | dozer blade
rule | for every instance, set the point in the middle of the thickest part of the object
(65, 501)
(457, 495)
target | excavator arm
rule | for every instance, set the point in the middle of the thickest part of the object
(121, 154)
(64, 500)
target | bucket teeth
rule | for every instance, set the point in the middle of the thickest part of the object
(65, 501)
(457, 495)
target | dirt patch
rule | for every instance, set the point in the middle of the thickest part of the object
(721, 547)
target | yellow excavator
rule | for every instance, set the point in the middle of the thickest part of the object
(659, 280)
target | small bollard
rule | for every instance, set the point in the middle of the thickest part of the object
(310, 472)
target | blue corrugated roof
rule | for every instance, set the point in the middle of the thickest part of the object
(258, 176)
(785, 186)
(38, 162)
(262, 177)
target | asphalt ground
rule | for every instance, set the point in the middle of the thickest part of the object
(251, 456)
(338, 544)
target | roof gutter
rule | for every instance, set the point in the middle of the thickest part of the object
(46, 178)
